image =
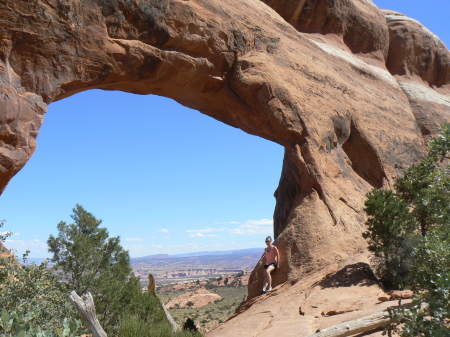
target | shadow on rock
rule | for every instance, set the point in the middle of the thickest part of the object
(351, 275)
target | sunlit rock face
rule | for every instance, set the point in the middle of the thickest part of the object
(421, 64)
(350, 92)
(354, 23)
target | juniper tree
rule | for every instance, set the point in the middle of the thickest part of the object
(92, 261)
(419, 208)
(390, 228)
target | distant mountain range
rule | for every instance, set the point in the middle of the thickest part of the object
(190, 266)
(241, 258)
(167, 268)
(205, 253)
(245, 258)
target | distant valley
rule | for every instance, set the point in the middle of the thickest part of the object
(186, 267)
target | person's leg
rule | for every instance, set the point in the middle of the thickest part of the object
(266, 281)
(269, 269)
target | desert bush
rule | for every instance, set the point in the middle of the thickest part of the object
(33, 302)
(390, 228)
(132, 326)
(23, 325)
(429, 314)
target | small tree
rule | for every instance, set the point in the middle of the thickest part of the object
(390, 235)
(424, 194)
(426, 186)
(91, 261)
(190, 304)
(86, 254)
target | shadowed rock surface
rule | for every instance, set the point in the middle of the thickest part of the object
(351, 96)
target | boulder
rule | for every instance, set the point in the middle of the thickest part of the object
(4, 252)
(384, 298)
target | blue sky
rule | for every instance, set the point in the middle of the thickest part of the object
(164, 178)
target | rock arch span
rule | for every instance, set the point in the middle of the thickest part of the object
(312, 77)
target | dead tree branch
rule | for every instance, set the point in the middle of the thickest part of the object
(86, 308)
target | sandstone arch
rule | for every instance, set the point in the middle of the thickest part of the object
(243, 64)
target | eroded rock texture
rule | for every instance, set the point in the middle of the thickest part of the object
(350, 92)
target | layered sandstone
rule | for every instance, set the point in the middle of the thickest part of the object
(353, 98)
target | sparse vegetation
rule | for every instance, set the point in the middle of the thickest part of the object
(36, 304)
(132, 326)
(209, 316)
(91, 261)
(189, 325)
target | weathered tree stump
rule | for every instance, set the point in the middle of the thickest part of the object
(173, 324)
(86, 308)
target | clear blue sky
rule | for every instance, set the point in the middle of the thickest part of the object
(164, 178)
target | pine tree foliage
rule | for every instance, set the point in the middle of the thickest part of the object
(92, 261)
(409, 230)
(426, 185)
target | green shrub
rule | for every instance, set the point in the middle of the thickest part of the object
(409, 230)
(389, 232)
(132, 326)
(33, 302)
(22, 325)
(429, 314)
(431, 260)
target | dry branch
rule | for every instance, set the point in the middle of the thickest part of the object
(151, 288)
(86, 308)
(355, 326)
(173, 324)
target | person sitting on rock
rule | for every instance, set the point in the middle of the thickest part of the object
(272, 263)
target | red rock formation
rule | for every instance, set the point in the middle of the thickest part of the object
(355, 23)
(151, 284)
(198, 299)
(347, 124)
(421, 64)
(4, 252)
(324, 298)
